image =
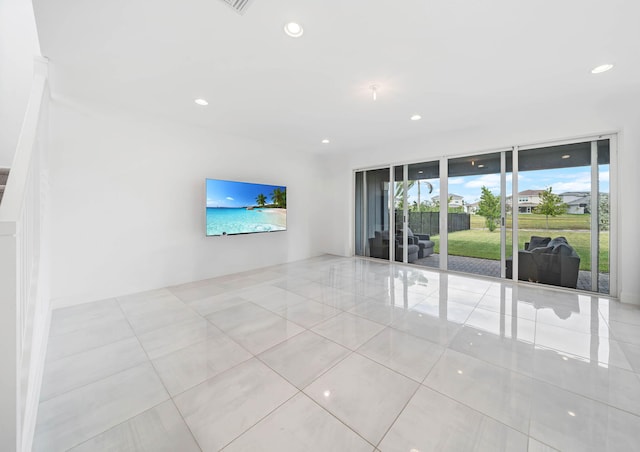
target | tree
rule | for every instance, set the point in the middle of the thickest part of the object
(410, 184)
(489, 208)
(279, 197)
(261, 200)
(550, 204)
(603, 211)
(400, 193)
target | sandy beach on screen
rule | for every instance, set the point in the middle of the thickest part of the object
(278, 216)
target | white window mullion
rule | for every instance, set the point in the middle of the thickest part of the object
(514, 213)
(503, 213)
(444, 212)
(595, 226)
(405, 214)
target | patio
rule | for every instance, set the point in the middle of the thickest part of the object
(490, 267)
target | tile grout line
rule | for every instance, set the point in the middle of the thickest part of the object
(263, 417)
(338, 419)
(155, 371)
(386, 432)
(357, 350)
(423, 384)
(99, 379)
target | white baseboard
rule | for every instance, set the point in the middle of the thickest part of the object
(630, 298)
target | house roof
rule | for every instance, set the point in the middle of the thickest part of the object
(578, 201)
(451, 195)
(156, 58)
(575, 193)
(530, 192)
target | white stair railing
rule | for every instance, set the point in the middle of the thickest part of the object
(24, 274)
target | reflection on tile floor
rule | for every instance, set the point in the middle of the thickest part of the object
(343, 354)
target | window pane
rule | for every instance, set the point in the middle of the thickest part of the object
(554, 215)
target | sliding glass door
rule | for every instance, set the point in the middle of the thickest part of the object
(372, 189)
(476, 213)
(563, 215)
(540, 214)
(417, 213)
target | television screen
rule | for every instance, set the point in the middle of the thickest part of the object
(243, 208)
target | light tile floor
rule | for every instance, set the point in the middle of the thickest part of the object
(339, 354)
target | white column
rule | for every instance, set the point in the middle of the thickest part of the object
(595, 224)
(444, 212)
(514, 213)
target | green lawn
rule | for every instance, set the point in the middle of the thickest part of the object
(485, 244)
(534, 221)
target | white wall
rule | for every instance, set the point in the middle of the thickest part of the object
(128, 203)
(545, 123)
(18, 47)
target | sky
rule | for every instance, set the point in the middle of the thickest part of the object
(222, 193)
(561, 180)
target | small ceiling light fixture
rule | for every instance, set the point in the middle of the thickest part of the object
(420, 172)
(325, 141)
(602, 68)
(293, 29)
(202, 102)
(480, 166)
(473, 163)
(571, 413)
(416, 117)
(566, 156)
(374, 91)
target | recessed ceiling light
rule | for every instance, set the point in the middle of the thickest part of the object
(480, 166)
(374, 91)
(293, 29)
(416, 117)
(566, 156)
(602, 68)
(202, 102)
(325, 141)
(460, 372)
(420, 172)
(571, 413)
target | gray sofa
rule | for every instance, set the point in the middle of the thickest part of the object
(423, 241)
(547, 261)
(379, 247)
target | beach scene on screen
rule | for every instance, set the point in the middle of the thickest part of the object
(245, 208)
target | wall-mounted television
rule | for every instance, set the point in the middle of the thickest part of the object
(244, 208)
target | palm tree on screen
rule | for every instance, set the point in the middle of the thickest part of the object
(261, 200)
(279, 197)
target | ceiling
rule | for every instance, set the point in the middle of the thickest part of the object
(456, 62)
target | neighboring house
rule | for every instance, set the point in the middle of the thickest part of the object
(577, 201)
(472, 208)
(527, 200)
(454, 200)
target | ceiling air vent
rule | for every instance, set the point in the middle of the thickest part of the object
(239, 5)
